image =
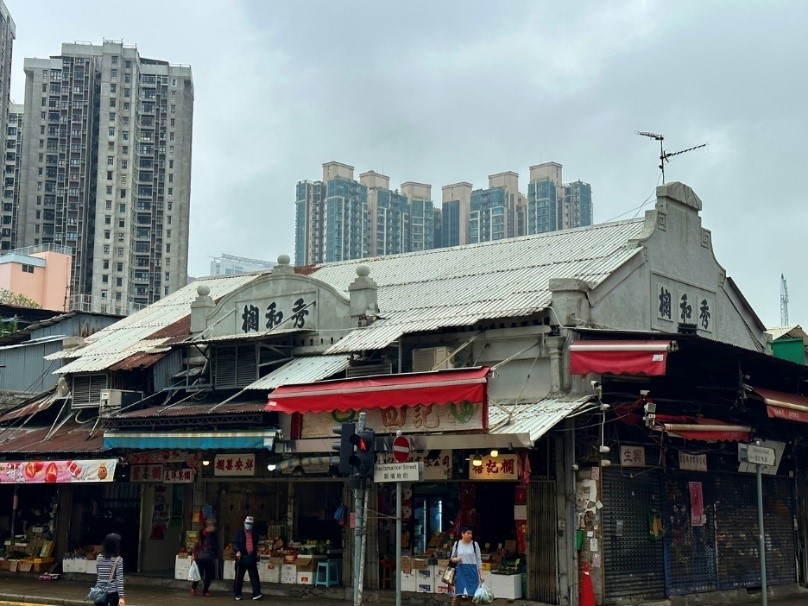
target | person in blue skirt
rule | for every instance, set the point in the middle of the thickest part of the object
(468, 559)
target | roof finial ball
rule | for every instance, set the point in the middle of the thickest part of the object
(363, 271)
(202, 290)
(284, 259)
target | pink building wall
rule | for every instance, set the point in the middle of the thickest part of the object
(49, 285)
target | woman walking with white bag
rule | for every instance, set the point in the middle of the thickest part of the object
(468, 559)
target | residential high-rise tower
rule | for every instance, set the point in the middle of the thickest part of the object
(106, 170)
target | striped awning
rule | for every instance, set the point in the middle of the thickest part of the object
(192, 440)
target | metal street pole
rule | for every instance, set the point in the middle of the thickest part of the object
(358, 515)
(397, 571)
(764, 594)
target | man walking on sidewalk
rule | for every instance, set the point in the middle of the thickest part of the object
(245, 548)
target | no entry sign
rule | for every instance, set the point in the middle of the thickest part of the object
(401, 449)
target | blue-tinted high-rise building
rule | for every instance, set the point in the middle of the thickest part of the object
(389, 216)
(345, 228)
(488, 216)
(309, 217)
(542, 206)
(577, 204)
(455, 214)
(422, 215)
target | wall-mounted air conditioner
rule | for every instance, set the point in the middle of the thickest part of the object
(113, 400)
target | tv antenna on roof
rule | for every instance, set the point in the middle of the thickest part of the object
(664, 155)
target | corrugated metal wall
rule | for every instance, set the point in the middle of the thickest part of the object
(633, 560)
(26, 369)
(542, 561)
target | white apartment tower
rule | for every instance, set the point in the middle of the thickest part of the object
(11, 177)
(106, 170)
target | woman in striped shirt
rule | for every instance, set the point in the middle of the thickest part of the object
(109, 558)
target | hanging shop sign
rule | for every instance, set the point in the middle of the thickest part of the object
(57, 472)
(161, 473)
(234, 465)
(500, 468)
(632, 456)
(422, 418)
(437, 464)
(161, 514)
(692, 462)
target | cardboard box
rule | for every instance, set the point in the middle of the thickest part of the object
(269, 572)
(182, 564)
(305, 578)
(407, 580)
(424, 587)
(441, 588)
(289, 574)
(229, 570)
(13, 565)
(419, 563)
(508, 586)
(406, 564)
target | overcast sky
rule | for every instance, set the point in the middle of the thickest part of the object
(445, 91)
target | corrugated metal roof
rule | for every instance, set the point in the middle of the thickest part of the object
(195, 410)
(255, 336)
(460, 286)
(135, 334)
(303, 370)
(37, 404)
(534, 419)
(69, 438)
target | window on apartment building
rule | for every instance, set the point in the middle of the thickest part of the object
(126, 120)
(173, 109)
(113, 88)
(113, 102)
(170, 191)
(125, 163)
(123, 179)
(110, 160)
(107, 234)
(109, 190)
(121, 223)
(171, 177)
(117, 296)
(111, 131)
(104, 279)
(112, 116)
(113, 73)
(29, 269)
(119, 251)
(127, 78)
(127, 64)
(127, 92)
(168, 248)
(118, 281)
(111, 146)
(168, 233)
(125, 135)
(109, 175)
(171, 164)
(120, 237)
(105, 264)
(36, 229)
(122, 208)
(106, 249)
(107, 219)
(103, 294)
(119, 267)
(114, 59)
(123, 193)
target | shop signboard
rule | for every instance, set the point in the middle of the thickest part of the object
(146, 473)
(674, 302)
(397, 472)
(632, 456)
(504, 467)
(421, 419)
(160, 456)
(184, 475)
(234, 465)
(692, 462)
(57, 472)
(278, 313)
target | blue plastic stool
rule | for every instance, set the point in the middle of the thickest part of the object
(330, 576)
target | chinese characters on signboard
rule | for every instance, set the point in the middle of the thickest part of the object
(285, 312)
(692, 462)
(632, 456)
(503, 467)
(161, 473)
(422, 418)
(234, 465)
(675, 303)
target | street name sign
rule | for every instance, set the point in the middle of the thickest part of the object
(756, 455)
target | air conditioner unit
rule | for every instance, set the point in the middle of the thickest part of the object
(431, 358)
(112, 400)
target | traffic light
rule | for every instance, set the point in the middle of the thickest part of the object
(344, 447)
(363, 458)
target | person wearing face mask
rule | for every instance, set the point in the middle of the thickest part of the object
(245, 548)
(205, 556)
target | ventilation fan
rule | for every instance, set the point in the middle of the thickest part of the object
(62, 388)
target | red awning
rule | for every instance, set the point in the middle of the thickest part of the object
(701, 429)
(439, 387)
(782, 405)
(620, 357)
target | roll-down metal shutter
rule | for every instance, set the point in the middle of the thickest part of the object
(632, 559)
(736, 530)
(689, 549)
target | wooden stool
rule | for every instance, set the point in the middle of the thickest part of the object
(387, 565)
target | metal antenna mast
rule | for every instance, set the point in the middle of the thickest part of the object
(664, 155)
(783, 301)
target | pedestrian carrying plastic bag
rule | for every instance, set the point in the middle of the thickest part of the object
(483, 595)
(193, 573)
